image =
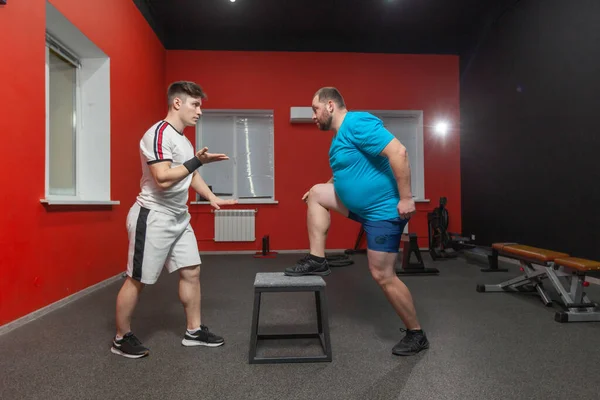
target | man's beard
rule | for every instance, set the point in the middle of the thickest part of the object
(326, 125)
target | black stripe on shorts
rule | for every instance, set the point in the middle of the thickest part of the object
(140, 241)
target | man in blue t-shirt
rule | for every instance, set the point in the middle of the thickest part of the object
(371, 185)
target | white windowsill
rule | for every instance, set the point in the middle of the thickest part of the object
(243, 201)
(63, 202)
(422, 201)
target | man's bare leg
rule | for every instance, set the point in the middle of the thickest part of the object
(126, 343)
(190, 296)
(321, 199)
(127, 300)
(381, 265)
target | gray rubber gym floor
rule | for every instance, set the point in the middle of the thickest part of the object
(483, 345)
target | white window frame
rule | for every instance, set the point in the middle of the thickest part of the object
(92, 110)
(238, 113)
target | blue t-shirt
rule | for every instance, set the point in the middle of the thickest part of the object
(362, 178)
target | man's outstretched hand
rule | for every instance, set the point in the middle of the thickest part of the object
(217, 202)
(205, 157)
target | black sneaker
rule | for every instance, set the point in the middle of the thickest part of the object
(130, 347)
(411, 344)
(308, 266)
(202, 337)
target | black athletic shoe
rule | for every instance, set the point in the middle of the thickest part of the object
(411, 344)
(308, 266)
(202, 337)
(130, 347)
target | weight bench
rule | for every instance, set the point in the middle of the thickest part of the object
(278, 282)
(566, 274)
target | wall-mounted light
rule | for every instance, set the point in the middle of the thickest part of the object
(441, 128)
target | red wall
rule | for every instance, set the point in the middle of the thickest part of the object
(264, 80)
(49, 253)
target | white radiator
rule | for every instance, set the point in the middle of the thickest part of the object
(234, 225)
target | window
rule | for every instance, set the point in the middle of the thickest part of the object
(407, 126)
(62, 119)
(246, 136)
(77, 116)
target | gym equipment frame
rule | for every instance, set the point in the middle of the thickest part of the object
(566, 275)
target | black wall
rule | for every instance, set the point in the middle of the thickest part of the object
(530, 127)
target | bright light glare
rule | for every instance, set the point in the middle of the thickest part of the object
(441, 128)
(233, 1)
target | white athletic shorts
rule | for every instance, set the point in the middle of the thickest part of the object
(157, 240)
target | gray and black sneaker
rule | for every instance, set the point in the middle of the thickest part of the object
(130, 347)
(202, 337)
(411, 344)
(309, 265)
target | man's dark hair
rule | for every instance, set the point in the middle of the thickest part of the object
(183, 89)
(330, 93)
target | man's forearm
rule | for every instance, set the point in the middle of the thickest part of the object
(401, 168)
(166, 175)
(201, 187)
(170, 176)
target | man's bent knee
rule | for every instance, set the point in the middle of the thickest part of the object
(317, 192)
(383, 276)
(324, 195)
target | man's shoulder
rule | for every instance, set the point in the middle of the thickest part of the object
(153, 135)
(162, 129)
(361, 119)
(153, 128)
(360, 114)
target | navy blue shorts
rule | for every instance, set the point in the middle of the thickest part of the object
(382, 235)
